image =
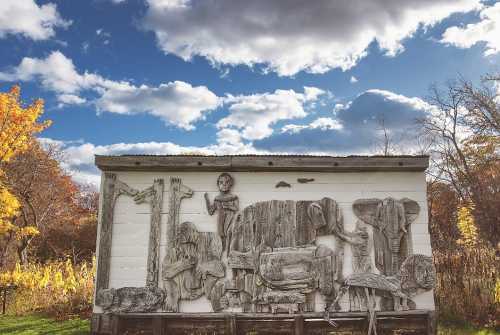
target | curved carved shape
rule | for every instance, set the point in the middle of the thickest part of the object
(131, 299)
(417, 274)
(391, 220)
(273, 253)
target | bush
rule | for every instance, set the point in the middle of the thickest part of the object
(58, 289)
(467, 285)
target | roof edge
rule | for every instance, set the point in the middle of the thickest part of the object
(261, 163)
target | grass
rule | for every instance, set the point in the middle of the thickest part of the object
(464, 330)
(36, 325)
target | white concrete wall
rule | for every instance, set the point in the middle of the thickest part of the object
(131, 221)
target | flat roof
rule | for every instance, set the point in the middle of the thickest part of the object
(261, 163)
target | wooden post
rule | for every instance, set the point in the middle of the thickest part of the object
(4, 302)
(116, 327)
(431, 323)
(299, 325)
(106, 225)
(158, 325)
(231, 324)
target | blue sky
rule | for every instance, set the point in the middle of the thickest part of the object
(234, 76)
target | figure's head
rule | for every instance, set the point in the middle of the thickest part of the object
(106, 297)
(417, 273)
(187, 233)
(225, 182)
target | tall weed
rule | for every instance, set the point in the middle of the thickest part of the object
(58, 288)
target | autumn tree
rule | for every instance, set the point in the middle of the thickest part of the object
(465, 129)
(56, 217)
(18, 124)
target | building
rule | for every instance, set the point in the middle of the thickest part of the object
(226, 244)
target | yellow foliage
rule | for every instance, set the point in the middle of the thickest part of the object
(58, 287)
(466, 225)
(26, 232)
(497, 291)
(17, 126)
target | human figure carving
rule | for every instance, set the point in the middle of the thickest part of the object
(391, 221)
(226, 205)
(359, 242)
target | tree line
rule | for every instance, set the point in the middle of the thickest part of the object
(46, 216)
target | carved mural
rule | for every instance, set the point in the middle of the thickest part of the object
(134, 299)
(391, 221)
(417, 274)
(265, 258)
(274, 258)
(226, 205)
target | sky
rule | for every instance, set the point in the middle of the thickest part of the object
(236, 76)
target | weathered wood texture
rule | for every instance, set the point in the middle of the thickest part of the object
(105, 234)
(262, 163)
(132, 222)
(419, 322)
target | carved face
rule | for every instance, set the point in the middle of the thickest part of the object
(187, 233)
(106, 297)
(417, 272)
(225, 182)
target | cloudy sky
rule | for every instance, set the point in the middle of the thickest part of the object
(238, 76)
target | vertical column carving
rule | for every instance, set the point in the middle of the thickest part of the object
(154, 196)
(112, 189)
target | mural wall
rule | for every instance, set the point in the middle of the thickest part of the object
(263, 242)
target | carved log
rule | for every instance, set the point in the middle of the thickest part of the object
(131, 299)
(154, 196)
(241, 260)
(108, 202)
(112, 189)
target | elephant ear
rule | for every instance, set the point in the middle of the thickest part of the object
(366, 210)
(412, 209)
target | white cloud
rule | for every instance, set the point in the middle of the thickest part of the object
(354, 127)
(322, 123)
(176, 103)
(79, 157)
(294, 35)
(25, 17)
(487, 30)
(70, 99)
(353, 80)
(255, 114)
(413, 102)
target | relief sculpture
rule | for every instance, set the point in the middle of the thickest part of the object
(391, 221)
(139, 299)
(416, 275)
(275, 263)
(226, 205)
(192, 265)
